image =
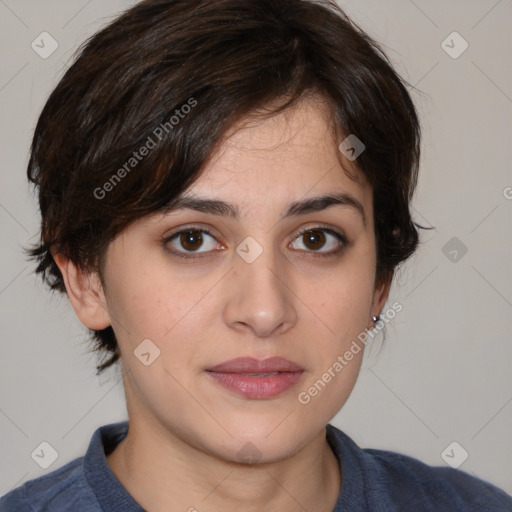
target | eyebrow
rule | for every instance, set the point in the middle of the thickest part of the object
(295, 209)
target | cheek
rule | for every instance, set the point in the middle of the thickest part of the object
(343, 319)
(342, 297)
(341, 302)
(343, 307)
(159, 303)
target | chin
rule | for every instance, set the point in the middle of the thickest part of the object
(266, 438)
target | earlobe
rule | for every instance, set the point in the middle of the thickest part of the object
(85, 292)
(380, 297)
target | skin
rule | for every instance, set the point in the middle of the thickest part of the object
(185, 429)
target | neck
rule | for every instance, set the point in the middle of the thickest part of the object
(162, 472)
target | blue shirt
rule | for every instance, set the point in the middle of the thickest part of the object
(373, 480)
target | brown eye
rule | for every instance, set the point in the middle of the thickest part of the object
(315, 239)
(190, 243)
(191, 240)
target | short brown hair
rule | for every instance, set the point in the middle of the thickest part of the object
(181, 73)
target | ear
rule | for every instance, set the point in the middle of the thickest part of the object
(380, 296)
(85, 292)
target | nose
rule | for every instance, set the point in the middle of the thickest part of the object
(261, 299)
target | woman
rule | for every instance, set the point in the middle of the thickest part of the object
(224, 189)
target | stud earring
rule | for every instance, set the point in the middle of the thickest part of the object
(375, 319)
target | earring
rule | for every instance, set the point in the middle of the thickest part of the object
(375, 319)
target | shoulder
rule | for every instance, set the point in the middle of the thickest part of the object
(416, 483)
(81, 484)
(63, 489)
(403, 483)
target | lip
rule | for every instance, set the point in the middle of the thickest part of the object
(253, 365)
(235, 376)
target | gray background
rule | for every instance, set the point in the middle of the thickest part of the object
(444, 373)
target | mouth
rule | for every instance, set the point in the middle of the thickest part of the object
(256, 379)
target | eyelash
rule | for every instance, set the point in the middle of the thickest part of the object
(191, 255)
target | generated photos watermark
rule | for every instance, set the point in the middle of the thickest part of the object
(151, 143)
(342, 361)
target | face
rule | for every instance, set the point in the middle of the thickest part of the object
(257, 279)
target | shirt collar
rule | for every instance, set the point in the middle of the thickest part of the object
(109, 491)
(113, 497)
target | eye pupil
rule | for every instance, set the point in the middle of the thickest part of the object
(316, 238)
(187, 240)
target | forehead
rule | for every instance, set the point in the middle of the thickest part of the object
(278, 160)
